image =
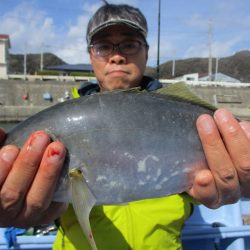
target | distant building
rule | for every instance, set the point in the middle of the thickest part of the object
(4, 55)
(67, 68)
(219, 77)
(188, 77)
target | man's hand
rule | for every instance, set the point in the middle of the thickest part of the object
(226, 143)
(28, 178)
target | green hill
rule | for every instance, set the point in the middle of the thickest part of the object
(236, 66)
(16, 62)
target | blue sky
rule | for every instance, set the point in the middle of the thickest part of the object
(59, 26)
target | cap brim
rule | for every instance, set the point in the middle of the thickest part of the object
(116, 22)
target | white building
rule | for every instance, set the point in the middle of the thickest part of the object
(219, 77)
(188, 77)
(4, 55)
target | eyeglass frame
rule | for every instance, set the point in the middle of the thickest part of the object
(117, 46)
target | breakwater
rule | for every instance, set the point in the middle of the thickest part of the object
(20, 99)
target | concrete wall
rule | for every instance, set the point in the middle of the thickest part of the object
(14, 92)
(236, 99)
(20, 99)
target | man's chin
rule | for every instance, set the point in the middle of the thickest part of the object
(118, 85)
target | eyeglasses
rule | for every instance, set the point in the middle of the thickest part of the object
(127, 48)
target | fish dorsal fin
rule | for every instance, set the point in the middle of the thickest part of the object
(181, 91)
(83, 201)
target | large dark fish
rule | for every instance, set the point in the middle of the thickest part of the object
(122, 146)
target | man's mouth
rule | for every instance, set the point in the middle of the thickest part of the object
(117, 71)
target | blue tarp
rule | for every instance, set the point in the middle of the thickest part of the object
(10, 235)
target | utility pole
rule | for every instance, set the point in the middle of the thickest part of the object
(173, 66)
(41, 59)
(216, 68)
(210, 50)
(25, 61)
(158, 47)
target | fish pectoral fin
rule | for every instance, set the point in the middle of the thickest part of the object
(83, 201)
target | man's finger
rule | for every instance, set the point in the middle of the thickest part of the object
(23, 171)
(246, 128)
(204, 189)
(219, 161)
(237, 144)
(8, 155)
(234, 138)
(42, 189)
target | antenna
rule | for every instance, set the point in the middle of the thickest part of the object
(158, 47)
(25, 61)
(210, 29)
(173, 65)
(41, 58)
(216, 68)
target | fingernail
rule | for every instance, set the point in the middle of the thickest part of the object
(206, 124)
(246, 127)
(37, 140)
(55, 152)
(8, 154)
(223, 116)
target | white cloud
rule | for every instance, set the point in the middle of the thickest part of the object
(225, 48)
(27, 30)
(73, 49)
(219, 48)
(91, 8)
(35, 30)
(197, 22)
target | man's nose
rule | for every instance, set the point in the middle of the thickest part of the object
(117, 58)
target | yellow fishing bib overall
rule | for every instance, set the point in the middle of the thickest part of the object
(153, 224)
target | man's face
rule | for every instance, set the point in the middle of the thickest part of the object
(119, 71)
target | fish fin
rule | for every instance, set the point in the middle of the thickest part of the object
(181, 91)
(83, 201)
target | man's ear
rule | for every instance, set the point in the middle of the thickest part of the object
(90, 58)
(147, 54)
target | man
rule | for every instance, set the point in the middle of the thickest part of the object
(118, 49)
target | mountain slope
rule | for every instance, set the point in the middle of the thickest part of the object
(16, 62)
(236, 66)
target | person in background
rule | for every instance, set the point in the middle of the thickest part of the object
(118, 49)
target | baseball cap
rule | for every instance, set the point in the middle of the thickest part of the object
(116, 14)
